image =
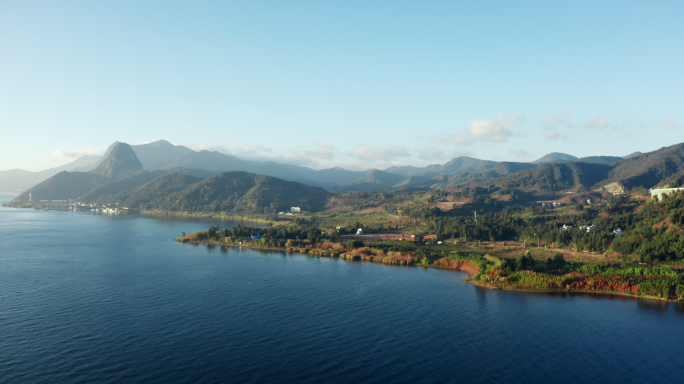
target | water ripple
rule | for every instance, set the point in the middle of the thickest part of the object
(99, 299)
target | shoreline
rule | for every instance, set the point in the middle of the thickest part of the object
(459, 269)
(157, 213)
(571, 291)
(218, 215)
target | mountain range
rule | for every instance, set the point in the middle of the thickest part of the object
(231, 191)
(124, 167)
(644, 170)
(119, 178)
(17, 180)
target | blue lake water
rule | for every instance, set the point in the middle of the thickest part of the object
(89, 298)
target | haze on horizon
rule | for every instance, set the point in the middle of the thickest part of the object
(352, 84)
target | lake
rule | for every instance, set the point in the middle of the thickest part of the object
(90, 298)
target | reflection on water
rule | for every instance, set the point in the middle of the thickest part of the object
(481, 293)
(89, 298)
(659, 306)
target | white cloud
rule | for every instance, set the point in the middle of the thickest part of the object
(596, 123)
(430, 153)
(461, 139)
(70, 155)
(671, 124)
(562, 117)
(552, 133)
(324, 145)
(498, 130)
(555, 123)
(388, 153)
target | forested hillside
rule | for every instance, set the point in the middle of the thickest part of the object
(648, 169)
(157, 193)
(651, 231)
(233, 191)
(120, 162)
(488, 172)
(64, 186)
(674, 182)
(114, 187)
(600, 159)
(554, 177)
(454, 166)
(373, 180)
(16, 180)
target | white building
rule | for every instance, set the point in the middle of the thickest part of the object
(359, 231)
(589, 201)
(295, 210)
(617, 232)
(589, 228)
(664, 191)
(566, 227)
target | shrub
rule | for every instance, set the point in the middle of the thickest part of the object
(351, 244)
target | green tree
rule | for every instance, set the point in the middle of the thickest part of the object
(351, 244)
(680, 291)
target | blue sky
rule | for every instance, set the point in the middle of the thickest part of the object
(355, 84)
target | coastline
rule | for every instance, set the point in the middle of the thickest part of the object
(569, 291)
(217, 215)
(158, 213)
(465, 267)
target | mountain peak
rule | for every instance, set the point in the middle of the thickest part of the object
(121, 161)
(637, 153)
(555, 157)
(160, 143)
